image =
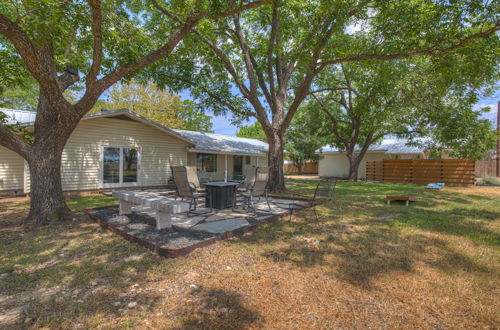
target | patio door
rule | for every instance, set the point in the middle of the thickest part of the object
(120, 166)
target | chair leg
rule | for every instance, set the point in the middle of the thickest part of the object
(315, 213)
(267, 200)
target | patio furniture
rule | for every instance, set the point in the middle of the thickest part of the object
(163, 206)
(220, 195)
(257, 189)
(186, 188)
(248, 181)
(322, 194)
(406, 199)
(192, 175)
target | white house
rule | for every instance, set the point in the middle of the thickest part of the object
(334, 163)
(120, 148)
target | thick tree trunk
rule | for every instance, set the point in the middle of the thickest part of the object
(354, 166)
(353, 170)
(276, 182)
(47, 202)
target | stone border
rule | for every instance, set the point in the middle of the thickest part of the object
(174, 253)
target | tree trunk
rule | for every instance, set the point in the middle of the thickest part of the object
(47, 202)
(353, 169)
(276, 182)
(299, 168)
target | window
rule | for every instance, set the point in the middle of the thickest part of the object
(248, 160)
(120, 166)
(206, 162)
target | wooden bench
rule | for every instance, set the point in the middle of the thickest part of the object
(406, 199)
(163, 206)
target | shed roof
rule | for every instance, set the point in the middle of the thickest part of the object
(388, 145)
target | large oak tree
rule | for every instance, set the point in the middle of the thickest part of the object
(106, 41)
(262, 63)
(428, 101)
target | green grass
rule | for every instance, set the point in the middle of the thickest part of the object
(432, 264)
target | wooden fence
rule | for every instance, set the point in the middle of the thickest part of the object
(422, 171)
(308, 168)
(486, 167)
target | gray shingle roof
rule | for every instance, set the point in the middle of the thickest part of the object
(217, 143)
(388, 146)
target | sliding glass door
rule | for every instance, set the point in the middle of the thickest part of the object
(120, 166)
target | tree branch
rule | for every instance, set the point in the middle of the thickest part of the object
(95, 6)
(10, 140)
(428, 51)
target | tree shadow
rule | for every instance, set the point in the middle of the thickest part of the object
(218, 309)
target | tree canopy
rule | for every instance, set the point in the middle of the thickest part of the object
(262, 63)
(359, 103)
(156, 104)
(253, 131)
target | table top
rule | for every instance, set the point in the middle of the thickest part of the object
(221, 184)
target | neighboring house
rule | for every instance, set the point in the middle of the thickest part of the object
(114, 149)
(334, 163)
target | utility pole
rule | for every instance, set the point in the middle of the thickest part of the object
(498, 139)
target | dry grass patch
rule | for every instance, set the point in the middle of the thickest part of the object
(363, 264)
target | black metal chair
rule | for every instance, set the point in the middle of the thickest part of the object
(322, 194)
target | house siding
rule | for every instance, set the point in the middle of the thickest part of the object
(81, 159)
(11, 170)
(337, 165)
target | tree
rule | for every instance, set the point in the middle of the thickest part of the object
(253, 131)
(107, 41)
(360, 103)
(23, 96)
(302, 140)
(156, 104)
(262, 63)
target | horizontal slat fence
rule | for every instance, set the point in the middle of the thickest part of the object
(422, 171)
(307, 168)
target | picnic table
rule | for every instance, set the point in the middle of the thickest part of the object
(163, 206)
(406, 199)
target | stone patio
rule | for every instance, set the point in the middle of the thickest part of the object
(190, 232)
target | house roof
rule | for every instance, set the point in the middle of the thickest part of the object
(18, 116)
(200, 142)
(27, 119)
(388, 145)
(218, 143)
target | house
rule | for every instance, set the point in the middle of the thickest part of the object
(116, 149)
(334, 163)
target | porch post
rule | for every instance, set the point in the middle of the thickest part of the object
(225, 168)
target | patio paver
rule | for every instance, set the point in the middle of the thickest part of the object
(222, 226)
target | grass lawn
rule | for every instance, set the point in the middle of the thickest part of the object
(434, 264)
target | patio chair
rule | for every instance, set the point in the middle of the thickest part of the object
(256, 190)
(192, 174)
(248, 181)
(187, 189)
(322, 194)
